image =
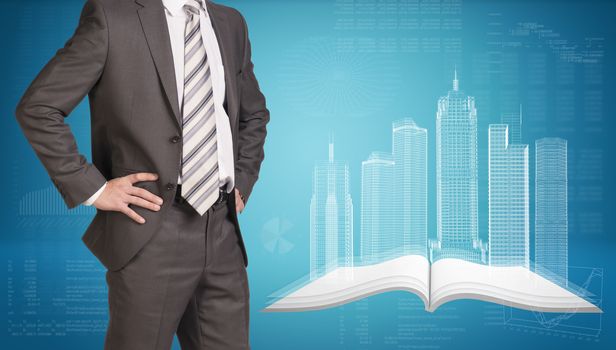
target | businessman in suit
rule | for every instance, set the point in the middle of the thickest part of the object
(178, 129)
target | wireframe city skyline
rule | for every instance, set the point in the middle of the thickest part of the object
(394, 192)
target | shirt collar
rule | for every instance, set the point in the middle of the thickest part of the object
(175, 7)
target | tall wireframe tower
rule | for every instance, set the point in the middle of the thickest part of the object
(456, 178)
(378, 234)
(508, 200)
(551, 215)
(410, 153)
(331, 217)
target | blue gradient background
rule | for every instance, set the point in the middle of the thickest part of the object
(287, 37)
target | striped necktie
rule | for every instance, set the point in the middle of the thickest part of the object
(199, 151)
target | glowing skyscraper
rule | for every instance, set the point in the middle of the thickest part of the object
(331, 217)
(551, 215)
(410, 153)
(378, 234)
(456, 178)
(508, 197)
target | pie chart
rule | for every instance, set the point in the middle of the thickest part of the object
(275, 236)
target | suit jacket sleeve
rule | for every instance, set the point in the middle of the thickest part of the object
(54, 93)
(253, 117)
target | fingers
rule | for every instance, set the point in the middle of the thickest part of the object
(137, 177)
(118, 195)
(239, 206)
(143, 198)
(133, 215)
(139, 196)
(140, 202)
(145, 194)
(239, 203)
(143, 203)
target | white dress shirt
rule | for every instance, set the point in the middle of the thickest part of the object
(176, 21)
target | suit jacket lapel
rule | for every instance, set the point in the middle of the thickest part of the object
(154, 24)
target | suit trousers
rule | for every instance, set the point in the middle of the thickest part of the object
(189, 279)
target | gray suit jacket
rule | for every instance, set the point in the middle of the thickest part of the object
(120, 55)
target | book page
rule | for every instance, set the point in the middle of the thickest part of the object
(517, 286)
(345, 284)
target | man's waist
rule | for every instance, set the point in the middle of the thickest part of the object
(223, 195)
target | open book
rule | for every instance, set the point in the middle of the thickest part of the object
(443, 281)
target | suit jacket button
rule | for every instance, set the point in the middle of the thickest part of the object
(170, 186)
(175, 139)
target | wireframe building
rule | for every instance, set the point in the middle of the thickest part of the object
(514, 121)
(551, 216)
(410, 153)
(456, 178)
(378, 234)
(508, 200)
(331, 217)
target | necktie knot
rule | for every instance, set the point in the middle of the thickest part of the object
(192, 7)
